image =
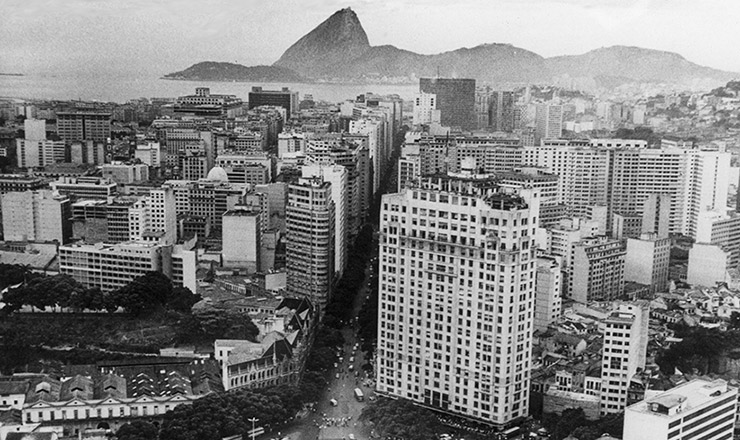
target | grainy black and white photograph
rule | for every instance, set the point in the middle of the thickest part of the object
(369, 220)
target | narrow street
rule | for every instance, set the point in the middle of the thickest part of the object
(338, 422)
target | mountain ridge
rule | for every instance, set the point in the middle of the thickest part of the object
(338, 50)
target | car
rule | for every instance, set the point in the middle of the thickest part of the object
(351, 437)
(352, 359)
(336, 376)
(336, 365)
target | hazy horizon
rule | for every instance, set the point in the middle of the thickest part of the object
(140, 38)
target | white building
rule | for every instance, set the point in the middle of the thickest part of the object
(242, 240)
(457, 273)
(291, 143)
(548, 285)
(548, 122)
(110, 267)
(338, 177)
(708, 264)
(149, 154)
(624, 353)
(647, 261)
(40, 215)
(596, 270)
(699, 409)
(425, 109)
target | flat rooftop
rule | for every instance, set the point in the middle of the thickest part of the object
(691, 395)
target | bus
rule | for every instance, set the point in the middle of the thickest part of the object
(511, 433)
(358, 395)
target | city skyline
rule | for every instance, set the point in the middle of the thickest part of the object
(137, 38)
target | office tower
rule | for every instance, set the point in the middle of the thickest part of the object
(162, 212)
(548, 122)
(700, 409)
(455, 100)
(656, 214)
(242, 241)
(624, 353)
(280, 98)
(20, 182)
(457, 277)
(309, 224)
(551, 210)
(374, 129)
(501, 111)
(646, 261)
(425, 109)
(194, 166)
(255, 169)
(548, 286)
(596, 270)
(562, 236)
(708, 265)
(126, 261)
(337, 176)
(207, 199)
(82, 126)
(40, 215)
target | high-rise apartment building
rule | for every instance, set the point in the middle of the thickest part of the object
(455, 100)
(83, 125)
(721, 228)
(337, 176)
(242, 239)
(310, 228)
(656, 213)
(85, 187)
(700, 409)
(624, 353)
(34, 150)
(501, 111)
(596, 270)
(40, 215)
(457, 284)
(425, 109)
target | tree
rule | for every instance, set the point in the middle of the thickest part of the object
(219, 324)
(145, 294)
(401, 418)
(137, 430)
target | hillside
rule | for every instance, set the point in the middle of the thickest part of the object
(216, 71)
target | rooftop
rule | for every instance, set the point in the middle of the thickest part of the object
(681, 399)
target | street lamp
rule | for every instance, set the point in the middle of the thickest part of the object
(253, 420)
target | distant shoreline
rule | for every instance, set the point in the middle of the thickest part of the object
(305, 81)
(11, 74)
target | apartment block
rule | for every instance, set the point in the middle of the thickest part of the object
(596, 270)
(40, 215)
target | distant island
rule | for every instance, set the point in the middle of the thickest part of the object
(11, 74)
(218, 71)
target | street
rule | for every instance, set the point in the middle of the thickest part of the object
(338, 422)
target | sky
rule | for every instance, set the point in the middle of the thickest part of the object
(155, 37)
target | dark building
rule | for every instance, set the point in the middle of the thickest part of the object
(455, 100)
(83, 125)
(281, 98)
(501, 111)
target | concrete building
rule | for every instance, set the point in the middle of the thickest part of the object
(624, 353)
(310, 228)
(122, 173)
(596, 270)
(626, 225)
(40, 215)
(457, 273)
(722, 228)
(425, 109)
(82, 125)
(646, 261)
(34, 150)
(19, 183)
(241, 242)
(548, 122)
(337, 176)
(700, 409)
(281, 98)
(455, 99)
(87, 152)
(205, 104)
(112, 266)
(85, 187)
(708, 265)
(291, 143)
(656, 214)
(548, 288)
(150, 154)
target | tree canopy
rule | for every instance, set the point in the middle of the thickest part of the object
(401, 418)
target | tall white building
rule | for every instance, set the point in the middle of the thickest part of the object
(457, 274)
(338, 177)
(624, 353)
(40, 215)
(596, 270)
(548, 299)
(425, 109)
(242, 239)
(699, 409)
(646, 261)
(291, 143)
(548, 122)
(150, 154)
(309, 253)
